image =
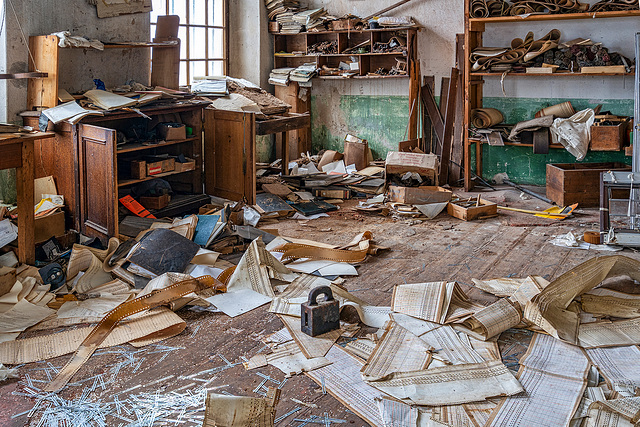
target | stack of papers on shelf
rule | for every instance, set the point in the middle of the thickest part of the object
(109, 101)
(277, 7)
(280, 76)
(287, 23)
(303, 73)
(310, 18)
(210, 86)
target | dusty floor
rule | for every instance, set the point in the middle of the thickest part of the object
(445, 248)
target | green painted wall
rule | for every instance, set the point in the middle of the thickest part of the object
(382, 120)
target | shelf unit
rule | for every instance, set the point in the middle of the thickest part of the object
(473, 82)
(43, 92)
(92, 173)
(286, 44)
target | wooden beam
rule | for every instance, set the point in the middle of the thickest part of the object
(448, 126)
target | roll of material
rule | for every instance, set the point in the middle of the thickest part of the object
(563, 110)
(592, 237)
(482, 118)
(613, 5)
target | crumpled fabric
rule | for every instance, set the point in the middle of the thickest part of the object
(574, 133)
(67, 40)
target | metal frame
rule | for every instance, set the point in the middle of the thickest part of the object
(185, 22)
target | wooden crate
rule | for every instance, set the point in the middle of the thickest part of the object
(569, 183)
(609, 138)
(486, 209)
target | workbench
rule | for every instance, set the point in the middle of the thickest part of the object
(230, 148)
(17, 152)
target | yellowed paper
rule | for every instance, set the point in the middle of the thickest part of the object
(554, 375)
(614, 365)
(290, 360)
(92, 307)
(548, 310)
(397, 351)
(22, 315)
(84, 262)
(611, 303)
(235, 411)
(503, 287)
(426, 301)
(397, 414)
(492, 320)
(48, 346)
(610, 334)
(362, 348)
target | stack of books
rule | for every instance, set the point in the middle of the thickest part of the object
(303, 73)
(280, 76)
(310, 19)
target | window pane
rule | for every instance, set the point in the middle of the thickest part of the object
(216, 68)
(198, 68)
(198, 47)
(159, 8)
(182, 35)
(197, 12)
(216, 13)
(152, 32)
(183, 73)
(216, 43)
(178, 7)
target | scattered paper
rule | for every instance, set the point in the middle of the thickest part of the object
(239, 301)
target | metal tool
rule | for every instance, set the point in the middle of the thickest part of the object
(320, 317)
(53, 274)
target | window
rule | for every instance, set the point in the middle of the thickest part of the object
(203, 35)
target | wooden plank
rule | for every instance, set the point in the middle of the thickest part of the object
(24, 187)
(282, 124)
(285, 152)
(11, 156)
(165, 66)
(43, 92)
(414, 83)
(428, 130)
(457, 143)
(299, 139)
(432, 110)
(448, 126)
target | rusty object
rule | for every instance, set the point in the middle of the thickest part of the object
(320, 317)
(592, 237)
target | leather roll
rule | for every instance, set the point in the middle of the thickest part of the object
(483, 118)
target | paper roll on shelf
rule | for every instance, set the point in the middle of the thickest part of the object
(483, 118)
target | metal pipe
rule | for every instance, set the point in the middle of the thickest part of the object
(529, 192)
(636, 116)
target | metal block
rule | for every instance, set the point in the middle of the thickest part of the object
(320, 317)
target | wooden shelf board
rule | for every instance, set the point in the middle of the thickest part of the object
(290, 55)
(556, 17)
(125, 182)
(140, 45)
(376, 30)
(514, 144)
(139, 147)
(556, 74)
(361, 77)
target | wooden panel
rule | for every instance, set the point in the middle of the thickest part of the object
(230, 155)
(11, 156)
(457, 144)
(282, 124)
(43, 92)
(98, 187)
(24, 187)
(165, 65)
(569, 183)
(299, 140)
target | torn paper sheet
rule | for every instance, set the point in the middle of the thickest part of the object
(324, 268)
(239, 301)
(548, 309)
(92, 307)
(451, 385)
(426, 301)
(449, 348)
(611, 303)
(343, 381)
(114, 287)
(48, 346)
(554, 374)
(8, 372)
(531, 287)
(613, 363)
(451, 415)
(362, 348)
(503, 287)
(311, 347)
(289, 359)
(431, 210)
(236, 411)
(8, 232)
(397, 414)
(21, 316)
(570, 240)
(167, 279)
(599, 416)
(19, 291)
(627, 408)
(479, 412)
(398, 351)
(256, 269)
(609, 334)
(491, 320)
(93, 274)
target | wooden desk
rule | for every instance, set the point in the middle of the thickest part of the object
(230, 145)
(16, 151)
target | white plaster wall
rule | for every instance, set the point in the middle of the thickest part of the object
(250, 44)
(78, 67)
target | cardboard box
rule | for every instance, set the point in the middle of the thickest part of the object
(160, 166)
(157, 202)
(425, 165)
(569, 183)
(49, 226)
(171, 131)
(486, 209)
(189, 165)
(418, 195)
(7, 279)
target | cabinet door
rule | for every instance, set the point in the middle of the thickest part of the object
(229, 154)
(98, 181)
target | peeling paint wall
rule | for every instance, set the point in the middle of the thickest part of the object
(80, 66)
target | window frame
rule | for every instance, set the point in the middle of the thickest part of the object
(185, 23)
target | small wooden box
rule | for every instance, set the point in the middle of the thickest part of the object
(189, 165)
(138, 169)
(161, 166)
(157, 202)
(569, 183)
(609, 138)
(418, 195)
(274, 27)
(486, 209)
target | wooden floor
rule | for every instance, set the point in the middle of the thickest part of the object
(513, 245)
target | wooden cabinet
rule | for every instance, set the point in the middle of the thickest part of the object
(92, 171)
